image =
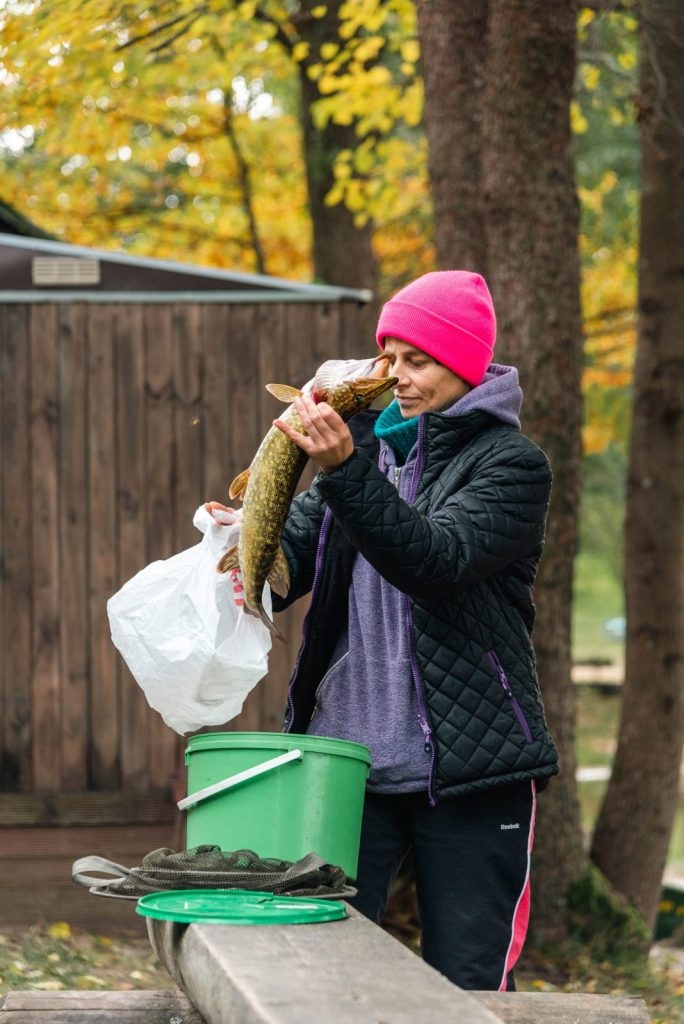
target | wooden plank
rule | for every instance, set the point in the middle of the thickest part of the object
(135, 1007)
(129, 347)
(160, 490)
(16, 564)
(246, 432)
(219, 467)
(301, 343)
(105, 705)
(346, 972)
(73, 534)
(187, 365)
(124, 843)
(44, 529)
(564, 1008)
(187, 433)
(35, 875)
(270, 695)
(357, 337)
(120, 807)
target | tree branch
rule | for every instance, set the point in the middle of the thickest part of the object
(188, 19)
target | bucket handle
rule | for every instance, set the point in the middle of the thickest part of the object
(235, 780)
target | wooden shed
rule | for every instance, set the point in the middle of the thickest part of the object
(131, 390)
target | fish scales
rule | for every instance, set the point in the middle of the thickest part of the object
(268, 487)
(274, 474)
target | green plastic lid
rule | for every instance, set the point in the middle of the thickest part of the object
(237, 906)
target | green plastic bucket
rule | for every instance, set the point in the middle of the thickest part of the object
(280, 794)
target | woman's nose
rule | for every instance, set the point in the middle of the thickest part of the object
(399, 371)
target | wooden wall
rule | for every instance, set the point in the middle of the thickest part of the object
(117, 421)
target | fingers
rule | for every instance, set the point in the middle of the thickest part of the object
(238, 587)
(327, 439)
(223, 514)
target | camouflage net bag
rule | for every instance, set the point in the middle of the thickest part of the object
(209, 867)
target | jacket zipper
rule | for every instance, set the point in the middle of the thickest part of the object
(505, 685)
(332, 668)
(423, 719)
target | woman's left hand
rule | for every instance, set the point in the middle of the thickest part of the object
(327, 441)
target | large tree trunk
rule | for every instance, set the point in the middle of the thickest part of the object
(342, 252)
(532, 225)
(452, 42)
(633, 831)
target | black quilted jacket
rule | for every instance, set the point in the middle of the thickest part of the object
(465, 552)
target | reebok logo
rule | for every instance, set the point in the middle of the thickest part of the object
(515, 824)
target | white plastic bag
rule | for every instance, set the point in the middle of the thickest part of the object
(193, 652)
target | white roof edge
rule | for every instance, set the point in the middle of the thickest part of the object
(262, 281)
(322, 294)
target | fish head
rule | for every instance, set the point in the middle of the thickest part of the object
(334, 372)
(350, 385)
(351, 396)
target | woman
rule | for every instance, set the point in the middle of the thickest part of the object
(419, 542)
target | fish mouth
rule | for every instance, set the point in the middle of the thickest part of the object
(370, 388)
(380, 366)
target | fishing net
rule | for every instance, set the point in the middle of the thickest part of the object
(209, 867)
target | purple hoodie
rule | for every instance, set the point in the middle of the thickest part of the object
(367, 694)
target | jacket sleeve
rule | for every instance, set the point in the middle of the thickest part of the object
(474, 526)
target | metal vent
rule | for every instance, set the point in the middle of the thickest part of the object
(64, 271)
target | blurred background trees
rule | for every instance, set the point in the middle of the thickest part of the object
(364, 142)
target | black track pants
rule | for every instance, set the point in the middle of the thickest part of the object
(471, 859)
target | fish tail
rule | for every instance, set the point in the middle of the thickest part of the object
(271, 625)
(260, 613)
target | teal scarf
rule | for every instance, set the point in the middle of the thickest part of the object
(398, 433)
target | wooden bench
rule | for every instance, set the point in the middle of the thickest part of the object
(344, 972)
(347, 972)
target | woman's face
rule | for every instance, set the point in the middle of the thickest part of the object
(424, 385)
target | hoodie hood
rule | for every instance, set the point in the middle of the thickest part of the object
(499, 395)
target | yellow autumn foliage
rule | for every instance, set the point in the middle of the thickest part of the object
(139, 144)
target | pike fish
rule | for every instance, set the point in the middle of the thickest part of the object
(268, 486)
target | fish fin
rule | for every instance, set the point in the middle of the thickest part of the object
(239, 485)
(283, 392)
(260, 613)
(279, 576)
(328, 375)
(229, 560)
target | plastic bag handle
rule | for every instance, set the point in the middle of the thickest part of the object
(235, 780)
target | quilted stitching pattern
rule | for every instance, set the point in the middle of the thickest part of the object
(476, 511)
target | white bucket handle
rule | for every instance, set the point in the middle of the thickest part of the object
(234, 780)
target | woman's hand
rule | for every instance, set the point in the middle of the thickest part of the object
(223, 515)
(327, 441)
(226, 516)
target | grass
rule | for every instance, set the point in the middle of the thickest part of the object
(597, 597)
(56, 957)
(597, 724)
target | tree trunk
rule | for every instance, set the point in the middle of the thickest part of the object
(634, 827)
(342, 252)
(532, 225)
(452, 42)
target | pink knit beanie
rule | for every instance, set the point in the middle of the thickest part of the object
(450, 315)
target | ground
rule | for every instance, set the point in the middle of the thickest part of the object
(54, 957)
